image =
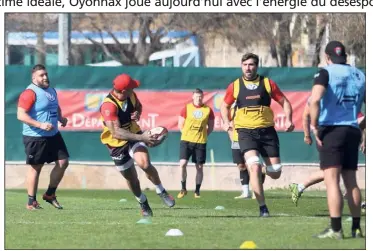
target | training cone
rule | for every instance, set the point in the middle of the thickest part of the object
(144, 221)
(248, 245)
(219, 208)
(174, 232)
(123, 200)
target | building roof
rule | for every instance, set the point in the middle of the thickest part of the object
(77, 37)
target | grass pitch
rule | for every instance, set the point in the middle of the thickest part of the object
(97, 220)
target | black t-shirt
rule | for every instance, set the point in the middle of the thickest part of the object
(321, 78)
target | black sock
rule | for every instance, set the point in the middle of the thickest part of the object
(263, 178)
(336, 223)
(355, 223)
(183, 185)
(51, 191)
(244, 176)
(31, 199)
(261, 208)
(198, 186)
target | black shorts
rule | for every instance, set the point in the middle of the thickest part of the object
(340, 146)
(237, 155)
(264, 140)
(196, 150)
(41, 150)
(121, 155)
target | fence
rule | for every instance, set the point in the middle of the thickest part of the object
(81, 90)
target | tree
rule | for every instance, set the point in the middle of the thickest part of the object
(283, 33)
(149, 28)
(134, 53)
(37, 22)
(250, 29)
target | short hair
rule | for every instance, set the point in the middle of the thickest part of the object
(198, 90)
(253, 56)
(37, 67)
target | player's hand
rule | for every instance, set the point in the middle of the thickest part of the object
(135, 116)
(363, 147)
(46, 126)
(230, 134)
(63, 121)
(148, 139)
(308, 140)
(363, 144)
(316, 133)
(289, 126)
(227, 127)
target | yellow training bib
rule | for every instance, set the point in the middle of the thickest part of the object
(124, 108)
(195, 125)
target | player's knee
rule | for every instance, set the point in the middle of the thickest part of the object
(183, 163)
(199, 167)
(36, 168)
(144, 164)
(253, 162)
(350, 182)
(64, 163)
(142, 160)
(274, 171)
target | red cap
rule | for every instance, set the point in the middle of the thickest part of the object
(124, 82)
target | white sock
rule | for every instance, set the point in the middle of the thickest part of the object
(159, 188)
(301, 188)
(142, 198)
(245, 190)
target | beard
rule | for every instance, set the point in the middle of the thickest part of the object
(45, 83)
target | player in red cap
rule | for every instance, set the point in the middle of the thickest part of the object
(126, 142)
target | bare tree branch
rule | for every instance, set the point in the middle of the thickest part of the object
(281, 32)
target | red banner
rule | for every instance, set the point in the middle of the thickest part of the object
(159, 108)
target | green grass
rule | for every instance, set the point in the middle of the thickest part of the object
(97, 220)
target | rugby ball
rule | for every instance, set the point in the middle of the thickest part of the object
(160, 133)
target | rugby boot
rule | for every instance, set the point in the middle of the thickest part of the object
(295, 194)
(52, 199)
(34, 206)
(253, 196)
(330, 233)
(357, 233)
(243, 196)
(182, 193)
(263, 211)
(146, 211)
(168, 200)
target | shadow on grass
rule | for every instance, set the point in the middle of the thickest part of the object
(224, 216)
(327, 215)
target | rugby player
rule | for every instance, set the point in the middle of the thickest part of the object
(196, 122)
(254, 122)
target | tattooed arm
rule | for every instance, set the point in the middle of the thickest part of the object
(122, 134)
(109, 113)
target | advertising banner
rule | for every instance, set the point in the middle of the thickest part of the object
(160, 108)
